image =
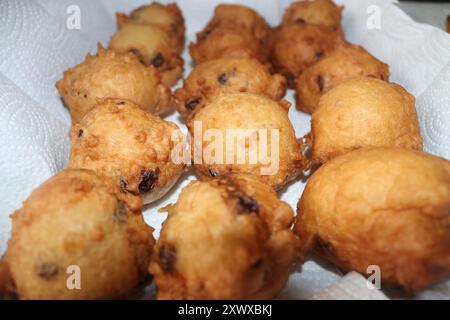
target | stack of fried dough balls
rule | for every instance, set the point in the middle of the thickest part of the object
(81, 234)
(234, 91)
(310, 30)
(372, 197)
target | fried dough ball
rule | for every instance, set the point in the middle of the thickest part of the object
(78, 225)
(6, 282)
(120, 140)
(226, 75)
(388, 207)
(364, 112)
(226, 41)
(225, 239)
(152, 46)
(167, 17)
(295, 47)
(346, 62)
(110, 74)
(240, 16)
(321, 12)
(254, 135)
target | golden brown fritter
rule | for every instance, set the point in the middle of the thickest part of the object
(78, 225)
(6, 282)
(388, 207)
(364, 112)
(226, 41)
(240, 16)
(225, 239)
(345, 63)
(167, 17)
(152, 46)
(295, 47)
(321, 12)
(226, 75)
(111, 74)
(254, 135)
(120, 140)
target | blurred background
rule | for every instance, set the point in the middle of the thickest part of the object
(436, 13)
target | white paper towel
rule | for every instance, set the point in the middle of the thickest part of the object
(36, 47)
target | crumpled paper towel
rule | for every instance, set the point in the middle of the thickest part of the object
(37, 46)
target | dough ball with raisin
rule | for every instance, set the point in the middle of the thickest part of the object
(364, 112)
(110, 74)
(241, 16)
(225, 239)
(227, 75)
(245, 133)
(346, 62)
(152, 46)
(321, 12)
(295, 47)
(77, 229)
(385, 207)
(120, 140)
(226, 41)
(167, 17)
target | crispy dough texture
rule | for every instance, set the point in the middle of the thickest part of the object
(321, 12)
(239, 16)
(75, 218)
(227, 75)
(295, 47)
(345, 63)
(250, 112)
(152, 46)
(226, 41)
(167, 17)
(120, 140)
(384, 206)
(364, 112)
(110, 74)
(225, 239)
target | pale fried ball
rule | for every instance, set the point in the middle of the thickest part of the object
(225, 239)
(364, 112)
(386, 207)
(152, 46)
(167, 17)
(254, 135)
(240, 16)
(227, 75)
(321, 12)
(111, 74)
(120, 140)
(295, 47)
(78, 224)
(345, 63)
(227, 41)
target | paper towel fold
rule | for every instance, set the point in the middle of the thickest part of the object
(37, 46)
